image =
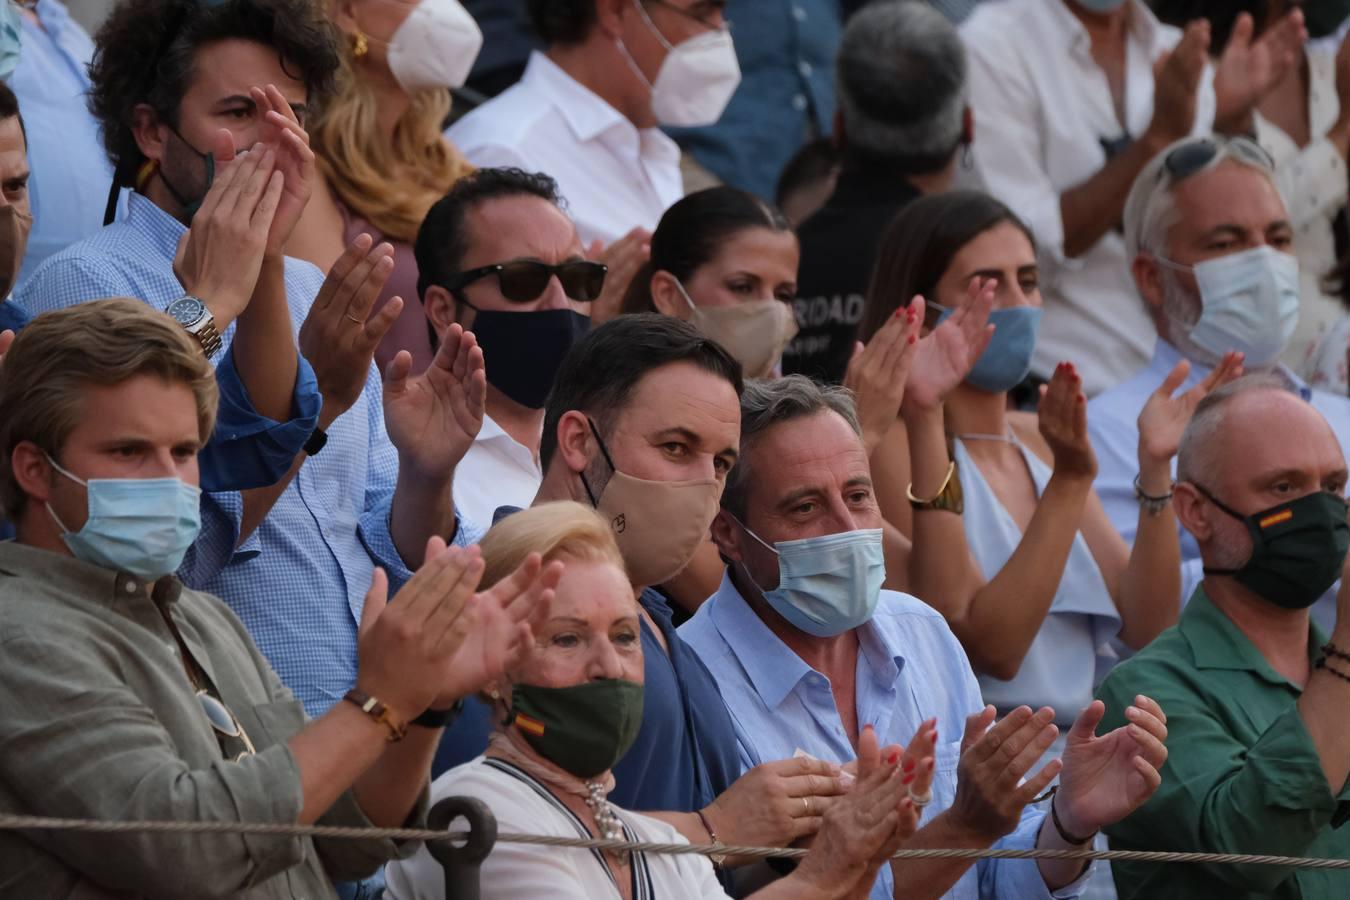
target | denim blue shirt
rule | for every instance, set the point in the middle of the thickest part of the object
(247, 449)
(299, 581)
(786, 49)
(71, 174)
(910, 668)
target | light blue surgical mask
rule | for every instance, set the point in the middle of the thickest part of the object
(1101, 6)
(139, 525)
(11, 37)
(829, 584)
(1007, 359)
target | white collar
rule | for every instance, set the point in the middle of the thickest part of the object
(1143, 25)
(585, 112)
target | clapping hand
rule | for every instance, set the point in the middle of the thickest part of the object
(284, 135)
(877, 373)
(433, 418)
(1176, 81)
(990, 792)
(776, 803)
(6, 339)
(948, 352)
(1106, 778)
(339, 335)
(219, 257)
(1164, 417)
(623, 258)
(1249, 69)
(1062, 417)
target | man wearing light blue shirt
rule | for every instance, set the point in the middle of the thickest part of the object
(294, 562)
(1209, 239)
(808, 650)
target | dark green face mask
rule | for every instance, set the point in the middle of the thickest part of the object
(1324, 17)
(190, 207)
(1298, 548)
(585, 728)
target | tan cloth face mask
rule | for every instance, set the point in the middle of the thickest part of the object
(658, 525)
(14, 228)
(754, 333)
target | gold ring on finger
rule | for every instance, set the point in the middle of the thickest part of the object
(353, 318)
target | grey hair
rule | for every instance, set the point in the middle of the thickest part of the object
(901, 82)
(769, 402)
(1201, 442)
(1150, 209)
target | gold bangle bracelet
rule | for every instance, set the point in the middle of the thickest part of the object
(909, 491)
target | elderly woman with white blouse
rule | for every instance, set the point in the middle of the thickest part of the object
(570, 707)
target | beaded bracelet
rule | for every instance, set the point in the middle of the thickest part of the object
(1323, 664)
(1331, 649)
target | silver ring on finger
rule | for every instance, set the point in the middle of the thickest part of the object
(921, 800)
(806, 804)
(352, 318)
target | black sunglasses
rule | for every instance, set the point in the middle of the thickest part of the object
(524, 280)
(1193, 156)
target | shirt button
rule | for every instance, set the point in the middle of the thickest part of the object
(805, 68)
(798, 13)
(799, 103)
(130, 587)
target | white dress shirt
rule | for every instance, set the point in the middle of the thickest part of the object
(613, 175)
(1113, 429)
(1042, 109)
(1313, 182)
(497, 471)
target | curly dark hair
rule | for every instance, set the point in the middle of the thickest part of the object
(145, 53)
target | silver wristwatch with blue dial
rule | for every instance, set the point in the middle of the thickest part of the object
(196, 319)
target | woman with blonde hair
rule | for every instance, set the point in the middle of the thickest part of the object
(566, 712)
(382, 161)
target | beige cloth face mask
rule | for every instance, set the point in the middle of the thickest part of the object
(754, 333)
(658, 525)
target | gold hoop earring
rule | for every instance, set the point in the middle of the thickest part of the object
(360, 47)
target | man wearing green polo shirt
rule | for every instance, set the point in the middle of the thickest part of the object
(1258, 702)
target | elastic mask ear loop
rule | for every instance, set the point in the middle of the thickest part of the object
(604, 451)
(685, 294)
(48, 506)
(1224, 508)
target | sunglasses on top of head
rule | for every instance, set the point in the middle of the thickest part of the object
(524, 280)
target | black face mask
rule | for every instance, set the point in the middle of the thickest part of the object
(523, 350)
(1324, 17)
(1298, 548)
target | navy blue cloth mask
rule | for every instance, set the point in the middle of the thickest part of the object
(1007, 359)
(523, 350)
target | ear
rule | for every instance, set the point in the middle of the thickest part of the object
(575, 440)
(666, 296)
(1193, 512)
(1148, 279)
(32, 472)
(441, 309)
(837, 130)
(968, 126)
(609, 16)
(727, 535)
(344, 16)
(149, 130)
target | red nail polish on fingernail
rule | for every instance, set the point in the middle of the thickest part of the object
(897, 313)
(893, 758)
(907, 779)
(912, 339)
(909, 765)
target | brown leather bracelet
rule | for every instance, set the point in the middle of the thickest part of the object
(377, 711)
(1064, 835)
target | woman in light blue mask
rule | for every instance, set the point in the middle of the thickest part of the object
(1011, 542)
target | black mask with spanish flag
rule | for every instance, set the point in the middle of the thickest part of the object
(584, 729)
(1298, 548)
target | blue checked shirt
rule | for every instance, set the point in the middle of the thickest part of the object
(299, 581)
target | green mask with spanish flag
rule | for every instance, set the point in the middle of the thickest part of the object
(1298, 548)
(584, 728)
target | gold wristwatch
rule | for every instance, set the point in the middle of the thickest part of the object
(948, 497)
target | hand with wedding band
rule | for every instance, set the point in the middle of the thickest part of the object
(339, 336)
(776, 803)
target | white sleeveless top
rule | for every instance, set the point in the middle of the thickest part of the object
(1071, 653)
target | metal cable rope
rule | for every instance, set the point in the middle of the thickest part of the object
(15, 822)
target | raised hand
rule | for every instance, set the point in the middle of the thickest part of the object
(861, 830)
(6, 339)
(878, 372)
(1176, 81)
(219, 257)
(433, 418)
(404, 648)
(1062, 418)
(1106, 778)
(990, 792)
(1164, 417)
(1249, 69)
(776, 803)
(624, 258)
(287, 138)
(947, 354)
(494, 631)
(917, 763)
(339, 335)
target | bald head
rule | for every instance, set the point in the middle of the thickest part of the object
(1252, 444)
